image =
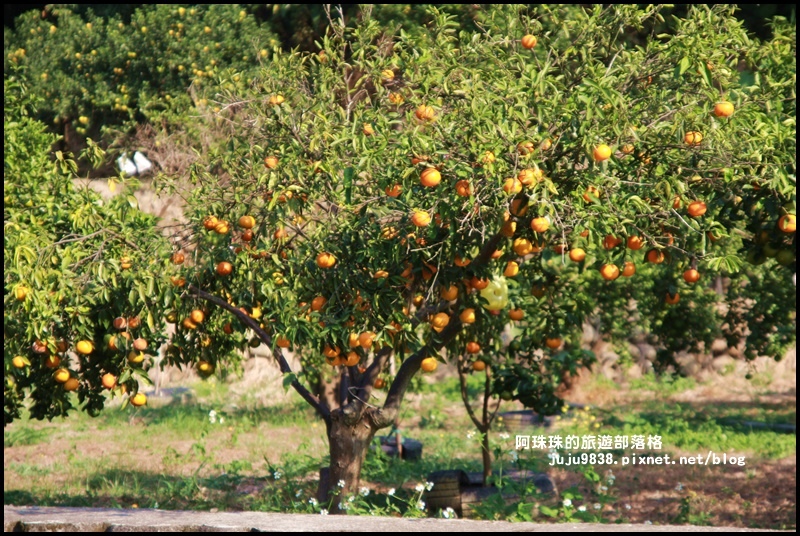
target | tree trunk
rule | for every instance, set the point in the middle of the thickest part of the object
(487, 457)
(348, 448)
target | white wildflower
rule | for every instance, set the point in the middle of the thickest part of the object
(312, 501)
(420, 487)
(364, 492)
(679, 487)
(428, 486)
(390, 493)
(341, 484)
(597, 506)
(581, 508)
(420, 505)
(503, 435)
(470, 434)
(277, 475)
(627, 507)
(221, 420)
(648, 522)
(567, 502)
(603, 488)
(298, 493)
(343, 506)
(449, 513)
(351, 498)
(323, 512)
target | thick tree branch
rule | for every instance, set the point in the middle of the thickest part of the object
(264, 336)
(462, 378)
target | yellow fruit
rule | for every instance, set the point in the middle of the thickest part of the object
(512, 186)
(138, 400)
(247, 222)
(18, 361)
(693, 138)
(61, 375)
(723, 109)
(204, 367)
(512, 269)
(522, 247)
(20, 292)
(425, 113)
(276, 100)
(440, 321)
(271, 162)
(787, 223)
(467, 316)
(366, 339)
(84, 347)
(135, 357)
(421, 219)
(601, 152)
(540, 225)
(429, 364)
(577, 254)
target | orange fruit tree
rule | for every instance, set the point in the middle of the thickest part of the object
(336, 192)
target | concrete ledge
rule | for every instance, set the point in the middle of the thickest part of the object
(56, 519)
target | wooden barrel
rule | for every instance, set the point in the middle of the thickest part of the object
(446, 492)
(516, 421)
(474, 494)
(412, 449)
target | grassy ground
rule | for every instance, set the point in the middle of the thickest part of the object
(225, 450)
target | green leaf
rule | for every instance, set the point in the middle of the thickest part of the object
(349, 173)
(683, 65)
(288, 379)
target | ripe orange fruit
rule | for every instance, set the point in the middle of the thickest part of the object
(519, 207)
(655, 256)
(479, 283)
(421, 219)
(318, 303)
(326, 260)
(429, 364)
(430, 177)
(458, 261)
(84, 347)
(277, 100)
(512, 269)
(635, 243)
(140, 344)
(629, 269)
(508, 229)
(530, 176)
(18, 361)
(677, 203)
(72, 384)
(197, 316)
(204, 367)
(188, 324)
(247, 222)
(178, 258)
(449, 293)
(224, 268)
(609, 272)
(512, 186)
(696, 209)
(396, 98)
(463, 188)
(627, 148)
(672, 299)
(479, 365)
(331, 352)
(591, 191)
(394, 191)
(138, 400)
(425, 113)
(723, 109)
(691, 276)
(367, 129)
(610, 242)
(282, 342)
(271, 162)
(380, 274)
(529, 41)
(601, 153)
(380, 383)
(177, 281)
(473, 347)
(552, 343)
(516, 314)
(560, 248)
(135, 357)
(108, 380)
(693, 138)
(61, 375)
(540, 225)
(577, 254)
(522, 247)
(120, 323)
(787, 223)
(546, 144)
(210, 222)
(467, 316)
(440, 321)
(366, 339)
(125, 263)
